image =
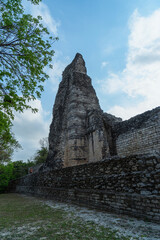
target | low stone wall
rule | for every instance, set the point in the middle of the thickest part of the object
(140, 134)
(128, 185)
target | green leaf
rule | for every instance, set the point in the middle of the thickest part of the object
(26, 48)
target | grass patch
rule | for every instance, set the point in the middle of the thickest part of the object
(28, 218)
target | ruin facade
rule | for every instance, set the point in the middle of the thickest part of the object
(96, 159)
(81, 132)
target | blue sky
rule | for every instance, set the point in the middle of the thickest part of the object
(120, 43)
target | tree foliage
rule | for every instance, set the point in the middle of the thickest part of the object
(25, 51)
(20, 169)
(12, 171)
(7, 141)
(6, 175)
(41, 154)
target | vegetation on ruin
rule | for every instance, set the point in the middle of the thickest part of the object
(29, 218)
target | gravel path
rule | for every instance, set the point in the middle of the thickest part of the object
(125, 225)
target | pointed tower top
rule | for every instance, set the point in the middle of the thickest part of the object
(77, 65)
(78, 55)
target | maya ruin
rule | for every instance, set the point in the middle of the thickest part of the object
(81, 132)
(96, 159)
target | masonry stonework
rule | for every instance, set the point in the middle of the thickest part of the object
(126, 185)
(95, 158)
(76, 99)
(81, 132)
(140, 134)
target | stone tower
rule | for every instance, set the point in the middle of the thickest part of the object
(77, 133)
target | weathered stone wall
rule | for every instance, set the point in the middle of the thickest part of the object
(140, 134)
(81, 133)
(128, 185)
(77, 133)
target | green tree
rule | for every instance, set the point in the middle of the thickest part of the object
(20, 169)
(6, 175)
(7, 141)
(25, 51)
(41, 154)
(12, 171)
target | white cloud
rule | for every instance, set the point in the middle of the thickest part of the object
(127, 111)
(55, 74)
(141, 76)
(111, 84)
(43, 10)
(109, 49)
(104, 64)
(29, 128)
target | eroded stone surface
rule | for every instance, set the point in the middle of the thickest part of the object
(77, 133)
(125, 185)
(80, 132)
(140, 134)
